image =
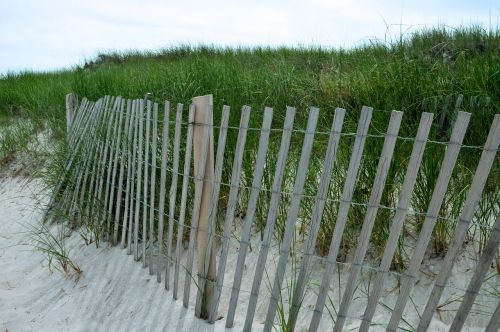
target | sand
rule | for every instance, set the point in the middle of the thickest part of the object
(113, 293)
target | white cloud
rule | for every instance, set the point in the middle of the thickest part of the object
(44, 35)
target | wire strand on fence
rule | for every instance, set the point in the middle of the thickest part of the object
(185, 124)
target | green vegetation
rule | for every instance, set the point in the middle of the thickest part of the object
(426, 71)
(50, 241)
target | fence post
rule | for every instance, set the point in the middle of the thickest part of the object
(204, 104)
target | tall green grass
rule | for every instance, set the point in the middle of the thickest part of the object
(424, 72)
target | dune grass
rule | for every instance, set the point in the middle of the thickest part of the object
(427, 71)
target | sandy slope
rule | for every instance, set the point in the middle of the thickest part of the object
(113, 293)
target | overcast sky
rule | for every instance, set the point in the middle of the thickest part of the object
(52, 34)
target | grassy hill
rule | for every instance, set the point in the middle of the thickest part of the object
(425, 71)
(398, 75)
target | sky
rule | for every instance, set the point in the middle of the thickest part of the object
(44, 35)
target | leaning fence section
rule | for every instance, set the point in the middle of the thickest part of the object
(155, 181)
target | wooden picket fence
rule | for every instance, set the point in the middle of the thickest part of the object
(114, 176)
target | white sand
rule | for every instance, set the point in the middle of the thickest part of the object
(115, 293)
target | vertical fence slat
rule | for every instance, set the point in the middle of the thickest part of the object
(399, 217)
(202, 293)
(270, 223)
(74, 117)
(447, 166)
(185, 185)
(173, 192)
(163, 179)
(74, 121)
(66, 203)
(146, 183)
(369, 220)
(94, 179)
(345, 203)
(138, 176)
(112, 142)
(78, 117)
(196, 208)
(245, 236)
(125, 154)
(221, 145)
(96, 204)
(292, 214)
(133, 178)
(471, 203)
(233, 193)
(102, 165)
(154, 138)
(68, 165)
(81, 118)
(111, 201)
(119, 190)
(82, 165)
(91, 161)
(320, 200)
(482, 268)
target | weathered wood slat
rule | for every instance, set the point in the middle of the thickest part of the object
(94, 179)
(230, 208)
(480, 273)
(471, 203)
(348, 190)
(92, 156)
(102, 164)
(185, 185)
(109, 169)
(122, 155)
(96, 205)
(173, 193)
(125, 154)
(80, 117)
(138, 178)
(66, 203)
(444, 177)
(133, 178)
(154, 139)
(292, 214)
(399, 217)
(111, 202)
(109, 160)
(146, 183)
(369, 220)
(270, 223)
(196, 210)
(319, 205)
(82, 164)
(92, 116)
(221, 145)
(163, 180)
